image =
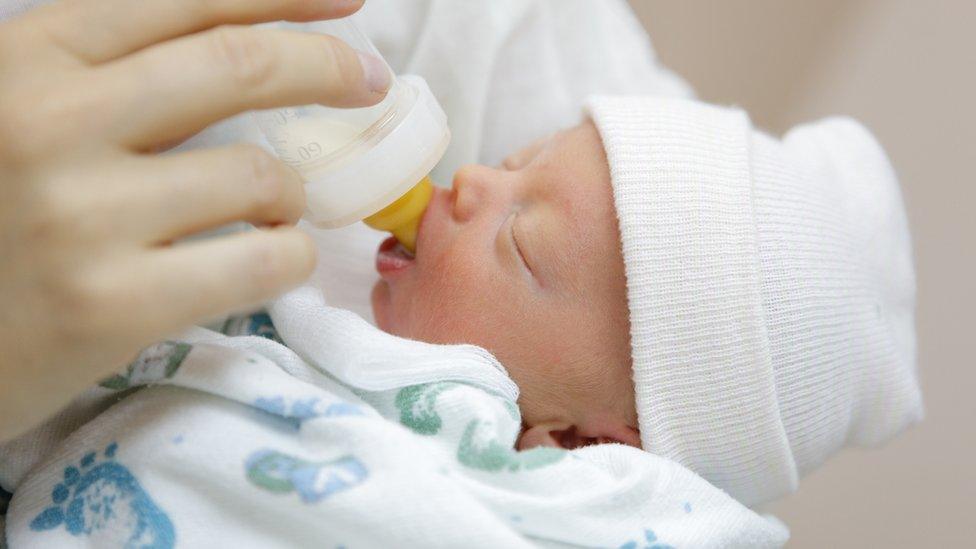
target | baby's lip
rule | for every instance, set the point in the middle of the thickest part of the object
(392, 259)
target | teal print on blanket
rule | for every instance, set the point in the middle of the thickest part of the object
(104, 497)
(282, 473)
(417, 407)
(257, 324)
(298, 410)
(650, 542)
(260, 324)
(4, 501)
(155, 363)
(479, 449)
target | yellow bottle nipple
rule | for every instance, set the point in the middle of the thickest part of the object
(402, 217)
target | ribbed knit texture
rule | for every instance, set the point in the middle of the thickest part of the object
(770, 288)
(838, 287)
(705, 389)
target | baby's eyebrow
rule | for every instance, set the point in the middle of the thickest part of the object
(530, 151)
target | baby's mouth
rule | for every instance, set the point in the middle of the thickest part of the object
(392, 258)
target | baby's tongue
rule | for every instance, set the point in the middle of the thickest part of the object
(392, 257)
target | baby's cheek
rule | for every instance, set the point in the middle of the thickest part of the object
(458, 301)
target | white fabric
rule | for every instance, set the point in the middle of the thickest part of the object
(238, 442)
(309, 327)
(770, 286)
(509, 72)
(13, 8)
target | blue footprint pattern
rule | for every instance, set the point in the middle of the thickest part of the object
(104, 495)
(278, 472)
(651, 542)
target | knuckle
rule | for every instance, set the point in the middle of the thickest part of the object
(23, 133)
(244, 54)
(62, 213)
(264, 177)
(85, 298)
(36, 124)
(53, 213)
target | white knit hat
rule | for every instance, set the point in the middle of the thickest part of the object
(770, 286)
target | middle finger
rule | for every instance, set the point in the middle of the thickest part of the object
(155, 199)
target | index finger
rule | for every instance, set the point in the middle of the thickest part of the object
(96, 31)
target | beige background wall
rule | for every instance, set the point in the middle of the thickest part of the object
(907, 69)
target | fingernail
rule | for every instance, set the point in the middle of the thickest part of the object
(374, 70)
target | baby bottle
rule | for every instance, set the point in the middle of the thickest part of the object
(367, 163)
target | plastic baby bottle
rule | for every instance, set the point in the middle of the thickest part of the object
(368, 163)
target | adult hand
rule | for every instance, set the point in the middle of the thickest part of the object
(89, 89)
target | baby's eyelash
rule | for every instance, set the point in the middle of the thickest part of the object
(519, 248)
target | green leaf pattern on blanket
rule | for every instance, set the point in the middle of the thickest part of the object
(416, 405)
(155, 363)
(479, 447)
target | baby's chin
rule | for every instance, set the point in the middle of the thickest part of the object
(381, 302)
(393, 315)
(385, 313)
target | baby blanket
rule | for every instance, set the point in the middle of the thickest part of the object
(217, 441)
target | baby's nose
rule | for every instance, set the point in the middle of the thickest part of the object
(472, 191)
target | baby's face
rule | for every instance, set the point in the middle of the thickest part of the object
(524, 260)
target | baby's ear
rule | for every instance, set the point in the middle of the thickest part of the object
(544, 434)
(568, 436)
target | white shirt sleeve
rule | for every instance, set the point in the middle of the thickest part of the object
(13, 8)
(511, 71)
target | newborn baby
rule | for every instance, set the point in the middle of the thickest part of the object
(758, 317)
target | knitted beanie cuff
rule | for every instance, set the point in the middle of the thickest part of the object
(705, 389)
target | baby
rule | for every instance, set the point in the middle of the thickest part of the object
(740, 304)
(661, 276)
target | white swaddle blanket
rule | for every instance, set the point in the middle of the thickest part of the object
(239, 442)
